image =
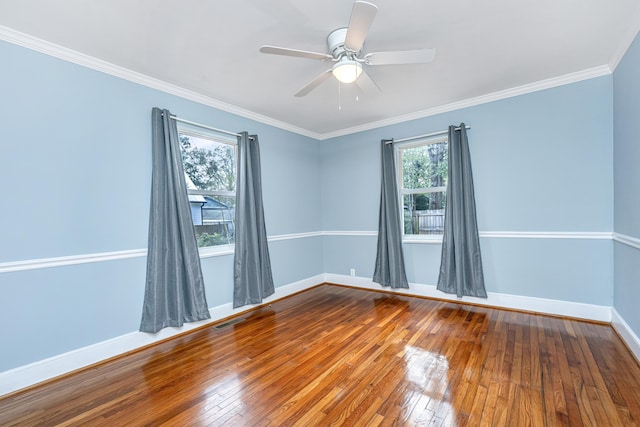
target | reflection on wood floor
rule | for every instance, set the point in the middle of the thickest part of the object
(343, 356)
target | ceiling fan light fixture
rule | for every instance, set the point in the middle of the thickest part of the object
(347, 70)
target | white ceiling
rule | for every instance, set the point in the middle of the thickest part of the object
(211, 48)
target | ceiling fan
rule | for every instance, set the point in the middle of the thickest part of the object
(345, 45)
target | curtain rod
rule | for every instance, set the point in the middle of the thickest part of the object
(442, 132)
(189, 122)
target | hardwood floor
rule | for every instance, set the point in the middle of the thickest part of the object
(340, 356)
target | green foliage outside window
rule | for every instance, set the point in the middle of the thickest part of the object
(425, 166)
(206, 239)
(209, 168)
(424, 174)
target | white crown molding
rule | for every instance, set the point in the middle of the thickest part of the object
(626, 333)
(629, 37)
(33, 373)
(69, 55)
(578, 310)
(578, 76)
(51, 49)
(627, 240)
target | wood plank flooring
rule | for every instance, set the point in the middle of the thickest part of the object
(341, 356)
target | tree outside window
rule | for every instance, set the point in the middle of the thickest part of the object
(209, 164)
(423, 169)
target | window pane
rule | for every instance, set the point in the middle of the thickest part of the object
(209, 164)
(213, 218)
(424, 213)
(425, 166)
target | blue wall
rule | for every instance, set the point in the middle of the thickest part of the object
(76, 152)
(626, 92)
(75, 167)
(542, 162)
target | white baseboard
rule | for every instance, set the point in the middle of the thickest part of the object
(33, 373)
(27, 375)
(538, 305)
(625, 331)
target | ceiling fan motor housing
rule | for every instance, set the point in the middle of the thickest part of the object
(335, 42)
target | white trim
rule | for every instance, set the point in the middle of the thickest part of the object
(210, 193)
(199, 130)
(433, 239)
(595, 235)
(625, 331)
(534, 304)
(69, 55)
(409, 191)
(42, 370)
(214, 251)
(627, 240)
(350, 233)
(33, 373)
(33, 264)
(625, 44)
(578, 76)
(209, 252)
(293, 236)
(51, 49)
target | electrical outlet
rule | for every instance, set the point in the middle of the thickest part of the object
(352, 272)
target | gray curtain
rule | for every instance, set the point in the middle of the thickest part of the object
(461, 264)
(389, 269)
(174, 291)
(252, 278)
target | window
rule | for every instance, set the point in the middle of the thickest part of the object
(422, 170)
(209, 163)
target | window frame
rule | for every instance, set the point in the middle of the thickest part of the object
(398, 147)
(198, 132)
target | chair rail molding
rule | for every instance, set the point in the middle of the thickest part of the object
(627, 240)
(33, 264)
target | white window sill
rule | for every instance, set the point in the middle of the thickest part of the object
(220, 250)
(431, 239)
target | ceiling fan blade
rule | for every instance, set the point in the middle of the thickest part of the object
(362, 16)
(367, 84)
(314, 83)
(419, 56)
(275, 50)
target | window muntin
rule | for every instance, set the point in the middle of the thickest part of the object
(209, 163)
(422, 169)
